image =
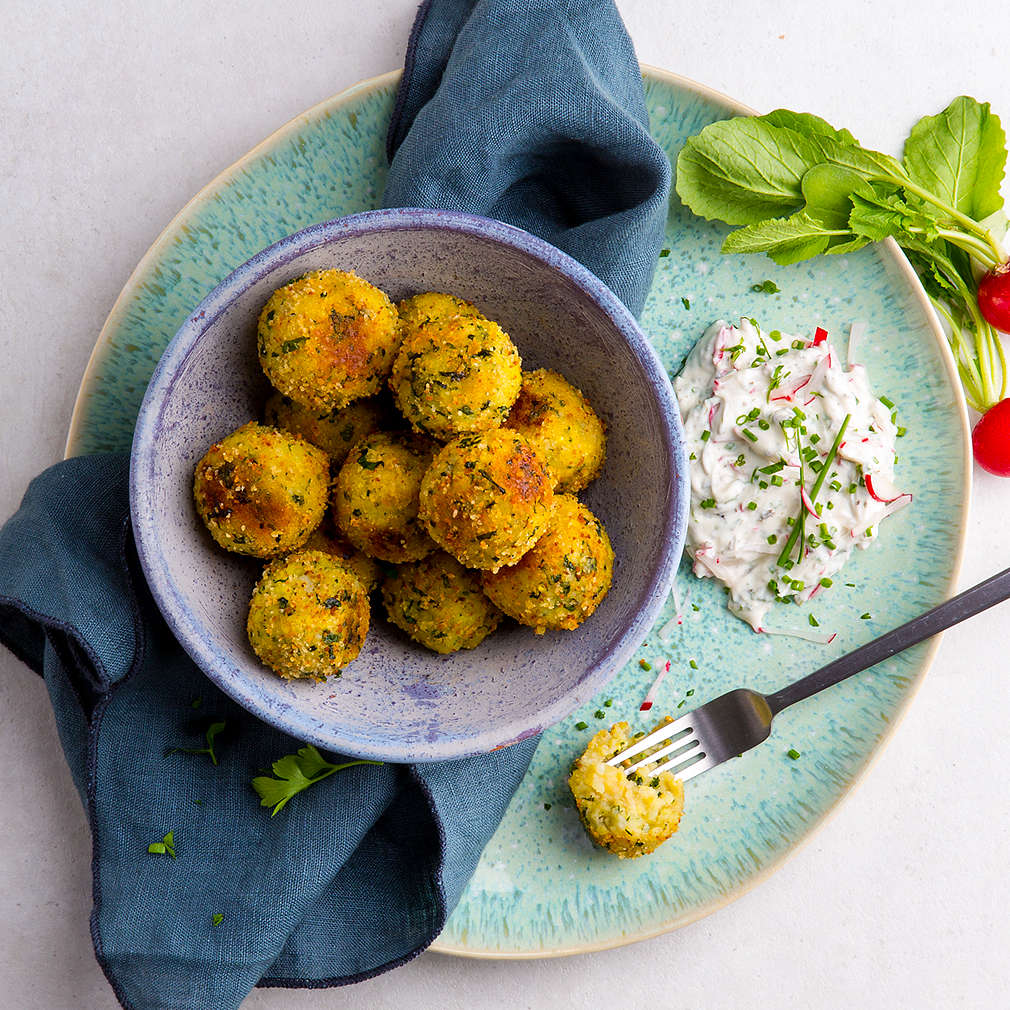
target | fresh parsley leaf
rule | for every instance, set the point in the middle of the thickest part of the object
(959, 156)
(766, 287)
(295, 773)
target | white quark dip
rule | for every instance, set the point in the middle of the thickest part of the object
(763, 416)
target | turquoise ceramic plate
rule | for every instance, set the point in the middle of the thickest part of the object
(541, 888)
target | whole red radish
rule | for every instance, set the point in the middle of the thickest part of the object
(991, 439)
(994, 297)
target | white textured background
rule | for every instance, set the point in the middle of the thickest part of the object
(113, 115)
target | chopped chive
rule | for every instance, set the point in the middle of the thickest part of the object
(777, 480)
(887, 403)
(901, 432)
(645, 664)
(813, 621)
(216, 919)
(686, 302)
(707, 503)
(772, 538)
(582, 725)
(865, 617)
(752, 505)
(747, 433)
(705, 435)
(826, 582)
(608, 703)
(793, 753)
(692, 664)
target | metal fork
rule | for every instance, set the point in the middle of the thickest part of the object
(739, 720)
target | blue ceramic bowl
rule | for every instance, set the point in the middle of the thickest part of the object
(397, 701)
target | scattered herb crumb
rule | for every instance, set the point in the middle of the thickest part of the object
(793, 753)
(864, 617)
(692, 664)
(664, 253)
(547, 806)
(165, 847)
(608, 703)
(196, 702)
(599, 714)
(212, 731)
(582, 725)
(813, 621)
(686, 302)
(645, 664)
(216, 919)
(766, 288)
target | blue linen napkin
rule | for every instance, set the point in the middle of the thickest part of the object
(358, 873)
(532, 112)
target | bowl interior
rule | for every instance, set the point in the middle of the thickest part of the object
(397, 700)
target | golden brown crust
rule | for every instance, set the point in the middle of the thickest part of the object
(261, 491)
(375, 496)
(486, 498)
(328, 338)
(308, 616)
(564, 576)
(439, 604)
(563, 427)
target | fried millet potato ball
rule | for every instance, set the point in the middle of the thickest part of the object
(308, 616)
(486, 499)
(564, 429)
(439, 603)
(375, 496)
(333, 431)
(561, 580)
(328, 338)
(420, 309)
(261, 491)
(629, 817)
(330, 542)
(455, 375)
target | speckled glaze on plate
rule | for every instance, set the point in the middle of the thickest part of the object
(541, 889)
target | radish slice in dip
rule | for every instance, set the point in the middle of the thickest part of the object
(792, 463)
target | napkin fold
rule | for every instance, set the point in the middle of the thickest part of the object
(532, 112)
(529, 112)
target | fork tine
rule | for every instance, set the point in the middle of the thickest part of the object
(695, 764)
(653, 738)
(672, 750)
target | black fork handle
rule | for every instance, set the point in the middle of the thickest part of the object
(957, 609)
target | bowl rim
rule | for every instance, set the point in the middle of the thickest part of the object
(192, 633)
